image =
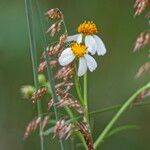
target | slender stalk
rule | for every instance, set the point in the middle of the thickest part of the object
(115, 107)
(85, 92)
(49, 70)
(77, 86)
(118, 115)
(34, 60)
(72, 144)
(86, 100)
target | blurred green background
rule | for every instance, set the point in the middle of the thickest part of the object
(112, 83)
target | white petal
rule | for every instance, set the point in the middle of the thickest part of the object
(101, 49)
(66, 51)
(91, 63)
(91, 44)
(66, 57)
(73, 38)
(79, 38)
(82, 66)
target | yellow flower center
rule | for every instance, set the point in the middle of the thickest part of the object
(87, 28)
(78, 49)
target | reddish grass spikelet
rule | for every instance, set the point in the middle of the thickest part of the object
(39, 94)
(145, 94)
(66, 131)
(140, 6)
(32, 126)
(65, 73)
(62, 39)
(83, 128)
(54, 14)
(72, 104)
(43, 65)
(59, 125)
(142, 40)
(143, 70)
(45, 121)
(62, 129)
(141, 97)
(50, 104)
(56, 27)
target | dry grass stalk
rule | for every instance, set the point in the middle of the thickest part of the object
(143, 69)
(39, 94)
(83, 128)
(32, 126)
(54, 14)
(142, 40)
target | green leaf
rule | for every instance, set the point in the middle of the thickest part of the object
(121, 129)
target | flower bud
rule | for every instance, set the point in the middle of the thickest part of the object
(27, 91)
(41, 79)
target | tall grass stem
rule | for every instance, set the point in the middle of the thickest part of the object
(33, 49)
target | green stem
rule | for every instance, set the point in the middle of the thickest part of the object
(86, 99)
(77, 85)
(34, 60)
(85, 92)
(49, 70)
(118, 115)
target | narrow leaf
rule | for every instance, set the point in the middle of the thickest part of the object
(121, 129)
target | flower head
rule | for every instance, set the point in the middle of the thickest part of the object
(87, 28)
(87, 31)
(80, 51)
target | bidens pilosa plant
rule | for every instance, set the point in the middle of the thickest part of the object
(62, 65)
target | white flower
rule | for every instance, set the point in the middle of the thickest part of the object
(80, 51)
(92, 41)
